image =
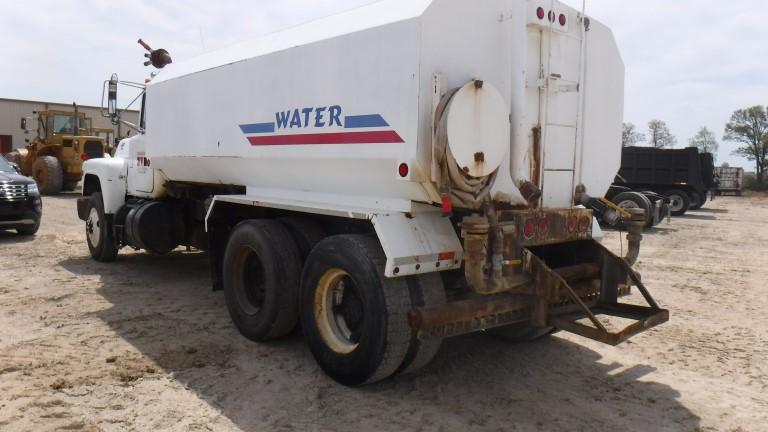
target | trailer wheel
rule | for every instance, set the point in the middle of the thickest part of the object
(696, 201)
(680, 201)
(629, 200)
(305, 232)
(354, 319)
(522, 332)
(261, 279)
(98, 233)
(48, 174)
(424, 290)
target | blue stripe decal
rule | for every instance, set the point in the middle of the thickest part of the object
(365, 121)
(258, 128)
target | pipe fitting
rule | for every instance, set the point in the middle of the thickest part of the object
(634, 235)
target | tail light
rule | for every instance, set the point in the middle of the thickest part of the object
(540, 13)
(563, 20)
(543, 227)
(529, 229)
(584, 223)
(84, 157)
(447, 206)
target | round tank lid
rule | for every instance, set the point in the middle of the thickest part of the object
(478, 128)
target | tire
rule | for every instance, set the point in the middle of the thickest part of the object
(522, 332)
(424, 290)
(261, 279)
(14, 157)
(354, 319)
(696, 201)
(98, 233)
(29, 230)
(680, 201)
(627, 200)
(48, 174)
(305, 232)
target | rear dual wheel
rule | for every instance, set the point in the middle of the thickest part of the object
(680, 201)
(355, 320)
(636, 200)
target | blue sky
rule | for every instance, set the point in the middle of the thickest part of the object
(690, 63)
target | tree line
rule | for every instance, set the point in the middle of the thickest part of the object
(748, 128)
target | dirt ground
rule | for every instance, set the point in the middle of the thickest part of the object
(144, 344)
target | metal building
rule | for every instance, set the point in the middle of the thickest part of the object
(12, 110)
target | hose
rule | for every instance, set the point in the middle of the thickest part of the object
(465, 191)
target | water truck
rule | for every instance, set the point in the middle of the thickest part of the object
(386, 178)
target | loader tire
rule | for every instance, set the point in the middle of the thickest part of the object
(98, 233)
(14, 157)
(305, 232)
(48, 174)
(261, 279)
(680, 201)
(424, 290)
(354, 319)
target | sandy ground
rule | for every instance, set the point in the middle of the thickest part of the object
(144, 344)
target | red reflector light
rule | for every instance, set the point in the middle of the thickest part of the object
(543, 227)
(403, 170)
(446, 256)
(529, 229)
(540, 13)
(84, 157)
(447, 205)
(563, 20)
(584, 223)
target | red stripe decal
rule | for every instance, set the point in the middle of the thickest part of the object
(375, 137)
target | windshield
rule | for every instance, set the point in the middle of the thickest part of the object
(5, 166)
(62, 124)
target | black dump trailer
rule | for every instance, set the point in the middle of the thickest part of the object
(684, 176)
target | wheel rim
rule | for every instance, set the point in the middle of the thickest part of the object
(628, 204)
(93, 228)
(339, 311)
(676, 203)
(252, 292)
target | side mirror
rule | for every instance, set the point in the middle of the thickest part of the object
(16, 167)
(26, 123)
(112, 100)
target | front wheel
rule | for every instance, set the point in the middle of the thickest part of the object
(101, 241)
(354, 319)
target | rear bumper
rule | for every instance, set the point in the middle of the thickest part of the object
(520, 277)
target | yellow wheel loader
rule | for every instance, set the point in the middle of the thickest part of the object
(63, 141)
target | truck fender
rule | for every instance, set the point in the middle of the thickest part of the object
(107, 176)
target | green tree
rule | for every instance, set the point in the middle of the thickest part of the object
(659, 135)
(630, 136)
(749, 128)
(706, 141)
